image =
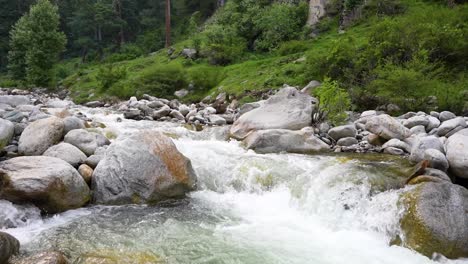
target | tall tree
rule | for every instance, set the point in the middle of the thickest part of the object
(35, 43)
(168, 23)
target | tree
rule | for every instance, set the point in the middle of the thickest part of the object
(168, 23)
(35, 43)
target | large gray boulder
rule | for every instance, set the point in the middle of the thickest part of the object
(143, 168)
(421, 144)
(86, 141)
(7, 130)
(342, 132)
(288, 109)
(387, 127)
(437, 159)
(71, 123)
(457, 154)
(447, 126)
(9, 246)
(14, 100)
(436, 220)
(49, 183)
(66, 152)
(40, 135)
(278, 140)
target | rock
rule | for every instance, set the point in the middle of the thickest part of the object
(14, 116)
(37, 114)
(71, 123)
(446, 115)
(436, 159)
(422, 144)
(433, 123)
(396, 143)
(49, 257)
(133, 114)
(184, 109)
(189, 53)
(9, 246)
(86, 172)
(416, 121)
(177, 114)
(93, 160)
(418, 130)
(7, 130)
(14, 100)
(394, 151)
(181, 93)
(278, 140)
(66, 152)
(86, 141)
(437, 173)
(217, 120)
(210, 110)
(309, 88)
(60, 104)
(387, 127)
(457, 154)
(342, 132)
(375, 140)
(365, 116)
(250, 106)
(346, 142)
(450, 125)
(40, 135)
(143, 168)
(94, 104)
(162, 112)
(436, 220)
(288, 109)
(156, 104)
(49, 183)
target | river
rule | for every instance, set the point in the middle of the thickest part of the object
(248, 208)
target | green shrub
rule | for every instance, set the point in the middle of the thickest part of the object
(205, 77)
(161, 80)
(292, 47)
(223, 45)
(109, 75)
(333, 100)
(121, 91)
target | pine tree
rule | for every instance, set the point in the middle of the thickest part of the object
(35, 43)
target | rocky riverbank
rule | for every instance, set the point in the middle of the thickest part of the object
(56, 158)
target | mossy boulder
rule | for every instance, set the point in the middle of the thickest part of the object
(436, 219)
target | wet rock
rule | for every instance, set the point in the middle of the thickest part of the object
(143, 168)
(86, 172)
(40, 135)
(133, 114)
(7, 130)
(49, 183)
(288, 109)
(387, 127)
(436, 219)
(437, 173)
(278, 140)
(71, 123)
(422, 144)
(86, 141)
(49, 257)
(9, 246)
(342, 132)
(457, 154)
(449, 125)
(436, 159)
(66, 152)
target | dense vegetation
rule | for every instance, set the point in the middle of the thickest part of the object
(371, 53)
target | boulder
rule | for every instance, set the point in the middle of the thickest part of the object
(40, 135)
(457, 154)
(181, 93)
(396, 143)
(394, 151)
(421, 144)
(14, 116)
(449, 125)
(446, 115)
(162, 112)
(94, 160)
(49, 183)
(436, 220)
(94, 104)
(133, 114)
(433, 123)
(217, 120)
(437, 159)
(9, 246)
(437, 173)
(347, 141)
(143, 168)
(86, 172)
(7, 130)
(416, 121)
(387, 127)
(14, 100)
(177, 114)
(278, 140)
(66, 152)
(71, 123)
(250, 106)
(342, 132)
(86, 141)
(48, 257)
(288, 109)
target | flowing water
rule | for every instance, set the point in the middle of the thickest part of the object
(248, 208)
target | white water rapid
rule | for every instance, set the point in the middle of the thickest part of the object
(249, 208)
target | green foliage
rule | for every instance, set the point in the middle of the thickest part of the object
(333, 100)
(205, 77)
(109, 75)
(36, 43)
(292, 47)
(161, 80)
(223, 45)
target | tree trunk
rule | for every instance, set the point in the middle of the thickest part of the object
(168, 23)
(118, 12)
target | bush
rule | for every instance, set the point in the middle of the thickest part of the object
(334, 101)
(205, 77)
(292, 47)
(109, 75)
(161, 80)
(127, 52)
(223, 45)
